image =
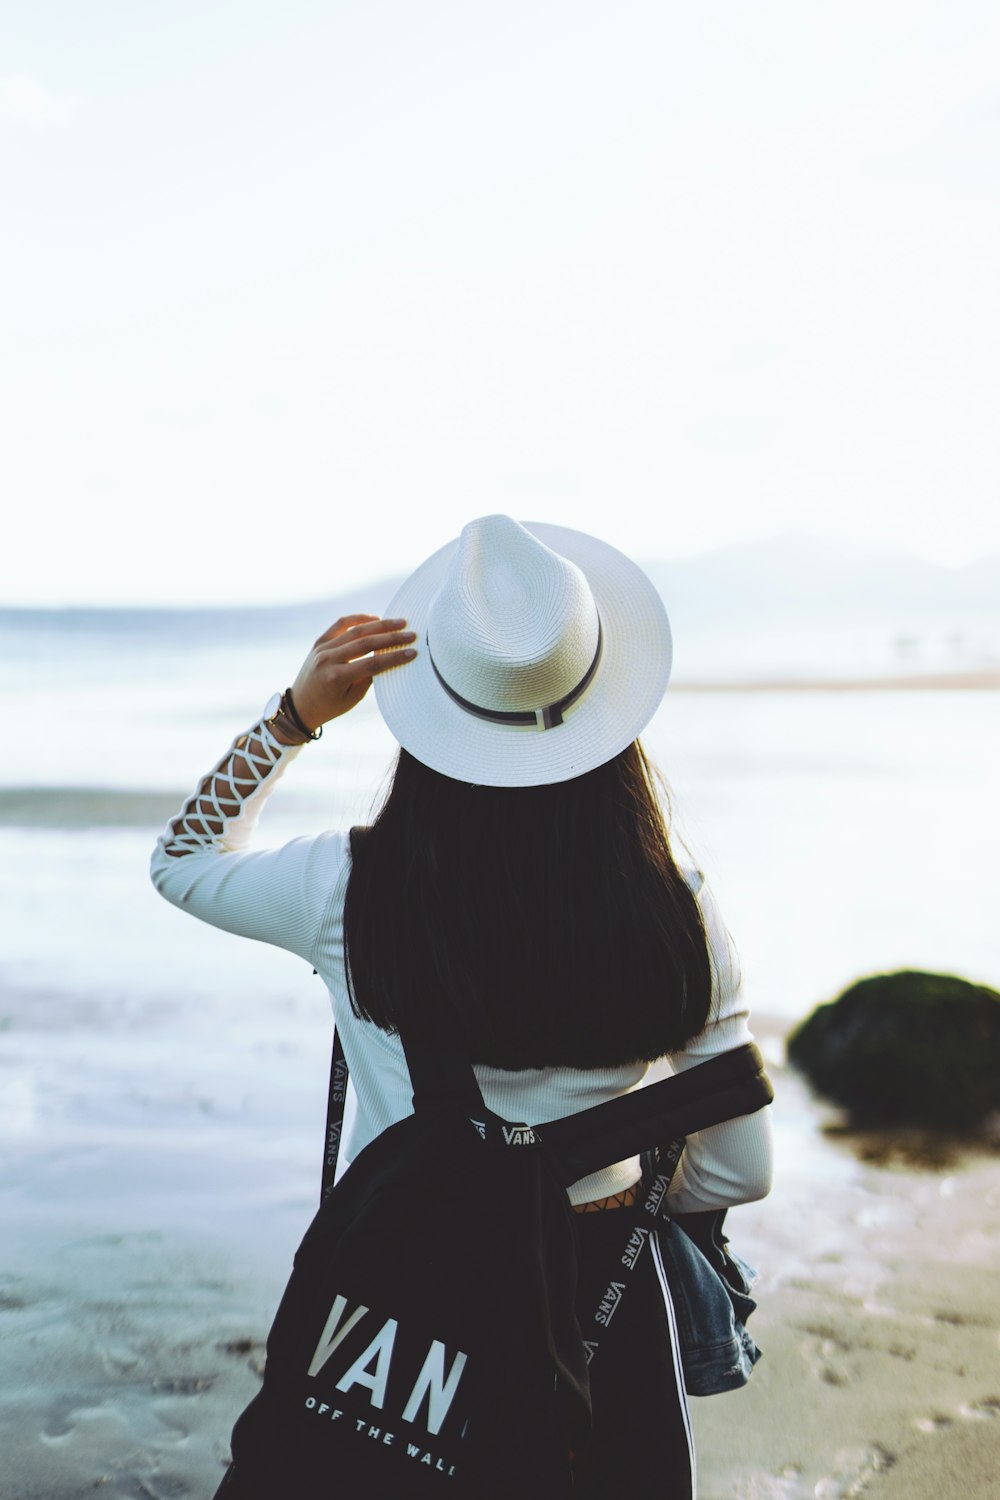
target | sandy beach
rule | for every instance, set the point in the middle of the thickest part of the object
(879, 1316)
(141, 1268)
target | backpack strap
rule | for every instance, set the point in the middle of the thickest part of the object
(336, 1099)
(731, 1084)
(441, 1077)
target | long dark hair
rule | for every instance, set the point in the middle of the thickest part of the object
(539, 926)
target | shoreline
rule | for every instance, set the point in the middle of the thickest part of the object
(55, 803)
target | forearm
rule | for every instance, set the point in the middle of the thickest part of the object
(725, 1165)
(201, 864)
(221, 814)
(732, 1162)
(336, 675)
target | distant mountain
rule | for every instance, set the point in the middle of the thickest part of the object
(794, 604)
(809, 580)
(182, 625)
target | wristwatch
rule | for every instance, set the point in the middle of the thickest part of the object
(279, 712)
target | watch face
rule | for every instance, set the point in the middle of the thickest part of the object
(273, 704)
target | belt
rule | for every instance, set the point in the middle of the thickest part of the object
(624, 1199)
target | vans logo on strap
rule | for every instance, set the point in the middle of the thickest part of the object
(609, 1303)
(633, 1249)
(657, 1194)
(513, 1135)
(338, 1085)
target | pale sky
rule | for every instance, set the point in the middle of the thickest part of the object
(291, 291)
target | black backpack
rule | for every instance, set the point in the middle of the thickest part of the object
(427, 1342)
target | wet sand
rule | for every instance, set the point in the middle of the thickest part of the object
(145, 1246)
(879, 1316)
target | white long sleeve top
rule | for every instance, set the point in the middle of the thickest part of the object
(293, 896)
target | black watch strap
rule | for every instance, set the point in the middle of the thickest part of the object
(288, 704)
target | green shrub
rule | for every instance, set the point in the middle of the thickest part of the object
(909, 1048)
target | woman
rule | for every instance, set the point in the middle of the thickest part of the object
(517, 893)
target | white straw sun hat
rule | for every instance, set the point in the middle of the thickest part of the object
(542, 653)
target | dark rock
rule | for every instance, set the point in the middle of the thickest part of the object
(910, 1047)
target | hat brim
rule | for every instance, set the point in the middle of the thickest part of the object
(626, 691)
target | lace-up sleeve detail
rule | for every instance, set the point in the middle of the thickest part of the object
(222, 814)
(202, 865)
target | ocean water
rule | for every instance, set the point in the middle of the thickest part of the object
(845, 832)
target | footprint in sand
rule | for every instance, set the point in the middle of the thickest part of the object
(933, 1424)
(983, 1410)
(977, 1411)
(824, 1353)
(852, 1486)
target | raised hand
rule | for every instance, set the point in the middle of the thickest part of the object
(339, 669)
